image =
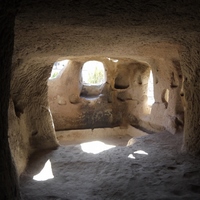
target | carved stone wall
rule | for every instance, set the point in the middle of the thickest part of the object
(123, 99)
(30, 122)
(162, 36)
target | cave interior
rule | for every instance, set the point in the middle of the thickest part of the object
(150, 140)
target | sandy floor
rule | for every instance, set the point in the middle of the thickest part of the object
(159, 171)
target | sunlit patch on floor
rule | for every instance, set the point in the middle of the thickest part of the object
(140, 152)
(95, 147)
(46, 173)
(137, 152)
(131, 156)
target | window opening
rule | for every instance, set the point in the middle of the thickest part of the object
(150, 90)
(93, 73)
(57, 67)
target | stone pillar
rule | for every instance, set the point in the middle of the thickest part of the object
(9, 189)
(190, 93)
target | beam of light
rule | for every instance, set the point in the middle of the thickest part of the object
(141, 152)
(45, 174)
(95, 147)
(131, 156)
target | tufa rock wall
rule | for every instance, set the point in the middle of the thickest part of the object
(30, 123)
(122, 100)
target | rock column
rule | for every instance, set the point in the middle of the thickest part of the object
(9, 189)
(190, 63)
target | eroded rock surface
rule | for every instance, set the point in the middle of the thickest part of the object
(151, 168)
(143, 36)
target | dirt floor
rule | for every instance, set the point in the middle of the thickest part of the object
(151, 168)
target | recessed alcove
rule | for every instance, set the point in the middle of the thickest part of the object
(123, 94)
(165, 97)
(122, 81)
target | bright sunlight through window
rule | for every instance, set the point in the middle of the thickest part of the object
(93, 73)
(95, 147)
(150, 90)
(46, 173)
(57, 67)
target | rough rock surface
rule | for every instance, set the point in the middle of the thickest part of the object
(162, 34)
(165, 173)
(165, 35)
(123, 99)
